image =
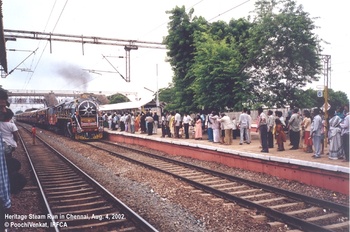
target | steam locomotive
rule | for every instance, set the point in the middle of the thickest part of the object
(79, 119)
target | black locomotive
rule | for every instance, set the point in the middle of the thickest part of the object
(79, 119)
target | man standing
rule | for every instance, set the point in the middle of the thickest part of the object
(177, 124)
(294, 129)
(263, 129)
(149, 120)
(208, 122)
(316, 132)
(5, 196)
(244, 126)
(186, 122)
(227, 125)
(270, 125)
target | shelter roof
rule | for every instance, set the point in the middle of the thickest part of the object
(124, 105)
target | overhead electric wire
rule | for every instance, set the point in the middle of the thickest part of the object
(48, 41)
(229, 10)
(31, 65)
(167, 22)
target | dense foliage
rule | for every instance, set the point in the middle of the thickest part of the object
(266, 60)
(117, 98)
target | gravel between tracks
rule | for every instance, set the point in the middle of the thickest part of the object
(167, 203)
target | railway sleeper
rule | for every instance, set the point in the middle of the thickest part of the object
(79, 205)
(248, 191)
(257, 196)
(287, 205)
(223, 185)
(160, 163)
(328, 219)
(79, 186)
(170, 169)
(57, 167)
(61, 183)
(69, 196)
(304, 211)
(99, 210)
(45, 177)
(341, 225)
(53, 168)
(187, 173)
(235, 187)
(204, 178)
(323, 217)
(193, 176)
(71, 191)
(74, 200)
(212, 181)
(272, 200)
(175, 169)
(52, 173)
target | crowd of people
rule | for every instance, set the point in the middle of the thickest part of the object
(302, 128)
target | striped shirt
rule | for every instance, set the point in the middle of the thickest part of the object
(5, 195)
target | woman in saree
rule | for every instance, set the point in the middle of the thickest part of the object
(334, 138)
(280, 135)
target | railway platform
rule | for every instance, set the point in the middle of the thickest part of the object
(289, 164)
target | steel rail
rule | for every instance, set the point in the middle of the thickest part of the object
(47, 205)
(277, 215)
(142, 224)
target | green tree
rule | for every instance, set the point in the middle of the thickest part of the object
(283, 51)
(219, 60)
(181, 47)
(180, 55)
(117, 98)
(166, 95)
(308, 99)
(218, 84)
(337, 99)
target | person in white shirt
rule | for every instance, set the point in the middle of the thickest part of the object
(270, 126)
(243, 123)
(132, 123)
(227, 125)
(177, 124)
(9, 132)
(109, 121)
(263, 130)
(186, 123)
(216, 126)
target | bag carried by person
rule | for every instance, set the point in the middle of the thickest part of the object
(17, 180)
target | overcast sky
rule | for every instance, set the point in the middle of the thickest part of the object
(140, 20)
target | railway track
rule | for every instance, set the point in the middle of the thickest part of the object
(298, 211)
(74, 201)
